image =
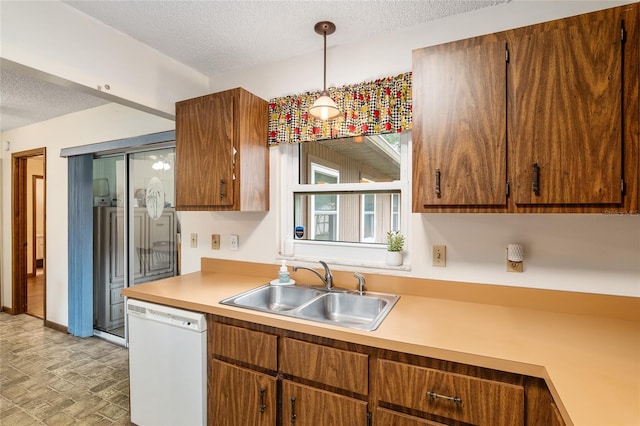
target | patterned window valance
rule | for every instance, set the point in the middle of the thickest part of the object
(380, 106)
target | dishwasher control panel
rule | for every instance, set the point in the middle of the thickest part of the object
(179, 318)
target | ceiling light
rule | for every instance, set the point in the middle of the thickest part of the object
(324, 108)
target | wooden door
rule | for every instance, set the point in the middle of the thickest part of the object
(304, 405)
(205, 151)
(459, 129)
(238, 396)
(566, 82)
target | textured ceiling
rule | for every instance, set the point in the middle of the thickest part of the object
(26, 100)
(220, 36)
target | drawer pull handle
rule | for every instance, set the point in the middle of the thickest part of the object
(438, 182)
(536, 179)
(222, 189)
(262, 405)
(293, 409)
(434, 395)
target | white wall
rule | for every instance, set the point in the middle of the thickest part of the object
(104, 123)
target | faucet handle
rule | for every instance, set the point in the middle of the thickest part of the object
(361, 282)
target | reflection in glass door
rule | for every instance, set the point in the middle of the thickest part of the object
(152, 215)
(135, 231)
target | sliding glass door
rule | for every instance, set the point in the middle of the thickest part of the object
(135, 230)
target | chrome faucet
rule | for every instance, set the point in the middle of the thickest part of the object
(361, 282)
(327, 280)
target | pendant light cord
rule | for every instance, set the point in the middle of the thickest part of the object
(324, 34)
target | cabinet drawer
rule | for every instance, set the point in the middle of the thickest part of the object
(248, 346)
(477, 401)
(332, 367)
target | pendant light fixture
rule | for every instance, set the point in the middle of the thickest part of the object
(324, 108)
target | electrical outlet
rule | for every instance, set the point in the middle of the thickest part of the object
(440, 256)
(235, 244)
(194, 240)
(514, 266)
(215, 241)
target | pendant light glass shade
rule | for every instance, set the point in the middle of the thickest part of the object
(324, 108)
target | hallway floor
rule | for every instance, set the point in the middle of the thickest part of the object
(51, 378)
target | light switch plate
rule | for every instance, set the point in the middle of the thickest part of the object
(194, 240)
(234, 242)
(215, 241)
(440, 256)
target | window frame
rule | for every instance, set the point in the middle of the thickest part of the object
(366, 255)
(313, 213)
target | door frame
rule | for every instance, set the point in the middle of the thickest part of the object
(35, 214)
(19, 227)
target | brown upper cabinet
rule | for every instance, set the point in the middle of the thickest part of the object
(459, 130)
(222, 157)
(551, 126)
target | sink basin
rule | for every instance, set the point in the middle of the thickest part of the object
(339, 307)
(344, 308)
(275, 298)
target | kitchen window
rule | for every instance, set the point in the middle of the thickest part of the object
(342, 196)
(324, 207)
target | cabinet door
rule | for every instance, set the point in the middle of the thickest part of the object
(303, 405)
(205, 151)
(459, 128)
(238, 396)
(566, 82)
(384, 417)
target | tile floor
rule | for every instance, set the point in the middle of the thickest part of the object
(51, 378)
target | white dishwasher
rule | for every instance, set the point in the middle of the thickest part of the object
(167, 365)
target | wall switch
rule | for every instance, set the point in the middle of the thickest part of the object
(235, 244)
(440, 256)
(194, 240)
(215, 241)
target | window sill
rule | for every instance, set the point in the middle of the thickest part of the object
(347, 262)
(360, 255)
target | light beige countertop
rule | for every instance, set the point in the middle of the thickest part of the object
(586, 347)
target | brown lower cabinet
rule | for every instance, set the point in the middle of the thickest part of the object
(394, 418)
(243, 397)
(308, 406)
(261, 375)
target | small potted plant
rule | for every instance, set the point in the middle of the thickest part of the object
(395, 244)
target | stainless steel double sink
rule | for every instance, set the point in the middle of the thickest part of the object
(337, 306)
